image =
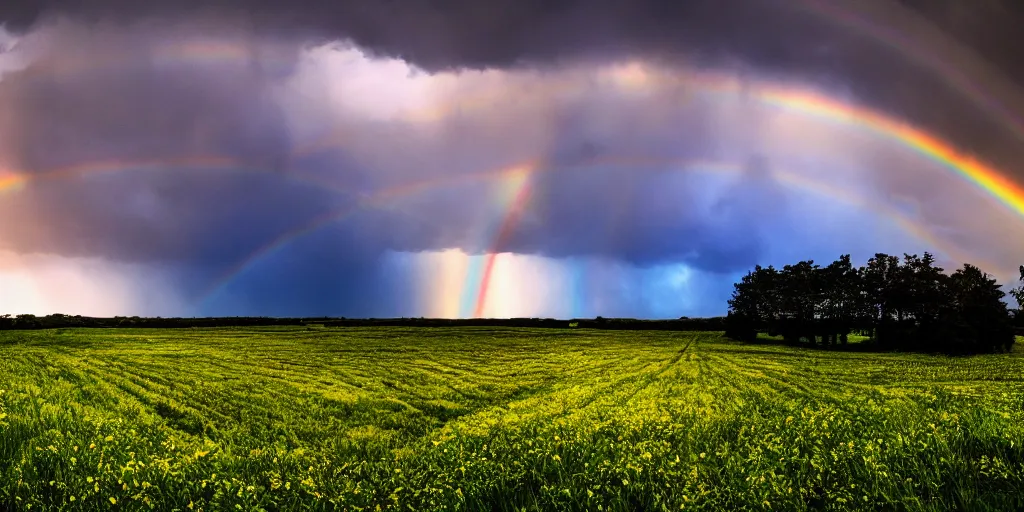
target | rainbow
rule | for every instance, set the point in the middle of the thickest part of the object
(639, 75)
(800, 100)
(517, 180)
(377, 200)
(508, 224)
(811, 103)
(478, 286)
(634, 75)
(983, 177)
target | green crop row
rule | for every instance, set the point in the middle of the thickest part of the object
(505, 419)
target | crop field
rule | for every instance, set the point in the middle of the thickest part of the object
(497, 418)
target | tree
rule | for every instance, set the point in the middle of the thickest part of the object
(841, 296)
(799, 298)
(880, 277)
(920, 301)
(753, 305)
(926, 287)
(977, 317)
(908, 304)
(1018, 292)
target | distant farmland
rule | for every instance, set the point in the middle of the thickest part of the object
(470, 418)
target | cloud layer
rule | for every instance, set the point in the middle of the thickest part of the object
(191, 146)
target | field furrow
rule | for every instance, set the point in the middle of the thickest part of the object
(499, 419)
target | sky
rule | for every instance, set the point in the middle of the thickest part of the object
(502, 159)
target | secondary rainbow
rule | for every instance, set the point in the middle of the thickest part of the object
(203, 51)
(12, 180)
(964, 81)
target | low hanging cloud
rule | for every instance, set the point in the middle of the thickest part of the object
(46, 284)
(191, 145)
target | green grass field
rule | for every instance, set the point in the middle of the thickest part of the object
(477, 418)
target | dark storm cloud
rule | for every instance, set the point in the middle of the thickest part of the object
(774, 36)
(469, 33)
(789, 38)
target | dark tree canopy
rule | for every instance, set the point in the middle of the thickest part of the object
(908, 304)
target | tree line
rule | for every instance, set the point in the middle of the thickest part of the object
(901, 304)
(58, 321)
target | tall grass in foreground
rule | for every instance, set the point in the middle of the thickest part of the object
(290, 419)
